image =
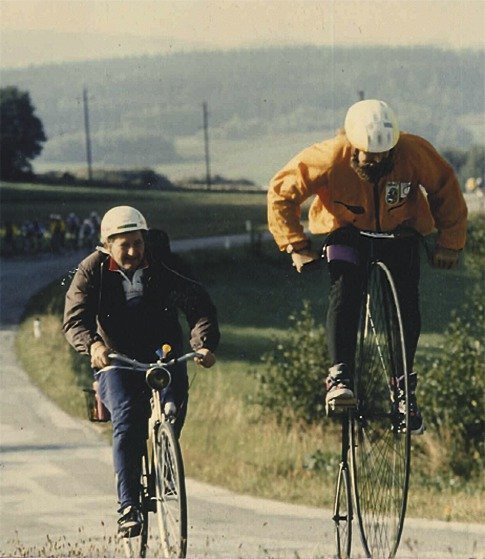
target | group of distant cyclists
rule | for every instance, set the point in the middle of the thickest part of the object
(57, 235)
(126, 295)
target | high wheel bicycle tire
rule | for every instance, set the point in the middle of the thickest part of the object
(171, 501)
(380, 437)
(342, 514)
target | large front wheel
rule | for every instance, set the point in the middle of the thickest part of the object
(380, 443)
(171, 502)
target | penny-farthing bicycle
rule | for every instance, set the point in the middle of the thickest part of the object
(373, 477)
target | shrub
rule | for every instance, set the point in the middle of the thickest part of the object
(452, 390)
(292, 380)
(475, 245)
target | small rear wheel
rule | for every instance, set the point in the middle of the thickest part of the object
(342, 514)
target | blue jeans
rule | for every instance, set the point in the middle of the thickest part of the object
(127, 397)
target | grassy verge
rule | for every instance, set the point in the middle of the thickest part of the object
(230, 441)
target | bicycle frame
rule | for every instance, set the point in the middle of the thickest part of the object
(162, 474)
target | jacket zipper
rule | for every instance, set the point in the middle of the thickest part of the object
(376, 206)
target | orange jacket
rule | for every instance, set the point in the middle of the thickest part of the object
(421, 192)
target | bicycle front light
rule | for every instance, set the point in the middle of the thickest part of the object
(158, 378)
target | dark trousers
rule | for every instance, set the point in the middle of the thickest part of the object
(347, 253)
(127, 397)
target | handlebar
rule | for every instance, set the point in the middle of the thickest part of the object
(400, 233)
(138, 365)
(157, 375)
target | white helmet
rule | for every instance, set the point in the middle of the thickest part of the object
(121, 219)
(372, 126)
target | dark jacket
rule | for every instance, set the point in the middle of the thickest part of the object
(96, 309)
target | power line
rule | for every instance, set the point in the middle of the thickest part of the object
(206, 143)
(88, 138)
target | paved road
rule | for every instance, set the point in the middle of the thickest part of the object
(57, 487)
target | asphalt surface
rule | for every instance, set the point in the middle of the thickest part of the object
(57, 486)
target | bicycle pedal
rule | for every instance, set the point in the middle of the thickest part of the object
(338, 407)
(131, 532)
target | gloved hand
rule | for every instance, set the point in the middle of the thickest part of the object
(304, 258)
(99, 355)
(208, 358)
(444, 258)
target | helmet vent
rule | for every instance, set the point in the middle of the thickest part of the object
(127, 226)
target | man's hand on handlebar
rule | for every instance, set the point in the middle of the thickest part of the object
(445, 258)
(208, 358)
(99, 355)
(304, 258)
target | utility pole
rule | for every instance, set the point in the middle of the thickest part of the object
(206, 143)
(88, 138)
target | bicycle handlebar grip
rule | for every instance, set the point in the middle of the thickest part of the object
(184, 358)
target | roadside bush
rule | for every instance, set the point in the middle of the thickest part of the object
(452, 387)
(452, 391)
(291, 383)
(475, 245)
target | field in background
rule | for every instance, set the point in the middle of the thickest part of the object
(181, 214)
(257, 159)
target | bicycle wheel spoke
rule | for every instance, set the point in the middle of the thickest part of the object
(380, 452)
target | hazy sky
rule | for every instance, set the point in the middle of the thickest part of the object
(39, 31)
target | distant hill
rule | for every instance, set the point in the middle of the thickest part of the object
(141, 107)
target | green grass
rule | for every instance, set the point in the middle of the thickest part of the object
(181, 214)
(230, 441)
(227, 440)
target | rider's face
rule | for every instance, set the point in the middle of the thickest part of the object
(371, 166)
(368, 158)
(127, 250)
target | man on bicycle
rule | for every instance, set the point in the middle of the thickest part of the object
(371, 177)
(124, 297)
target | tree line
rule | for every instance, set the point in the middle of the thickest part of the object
(22, 137)
(140, 106)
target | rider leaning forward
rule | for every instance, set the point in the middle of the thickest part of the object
(125, 298)
(371, 177)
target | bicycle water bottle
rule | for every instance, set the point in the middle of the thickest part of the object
(101, 412)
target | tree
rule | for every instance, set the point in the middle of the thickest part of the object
(22, 133)
(474, 165)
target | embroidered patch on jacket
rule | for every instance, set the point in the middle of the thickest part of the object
(397, 191)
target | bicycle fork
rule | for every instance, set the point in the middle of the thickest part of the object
(343, 510)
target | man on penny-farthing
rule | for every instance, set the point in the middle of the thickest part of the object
(370, 177)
